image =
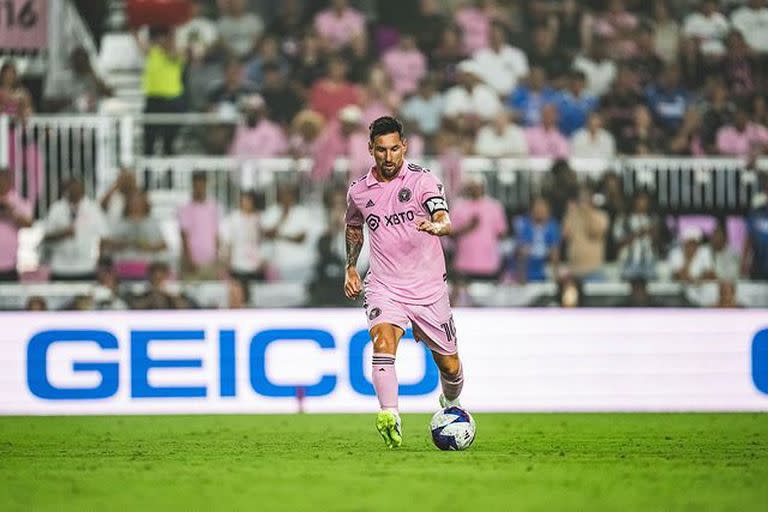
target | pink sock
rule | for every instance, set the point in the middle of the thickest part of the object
(385, 380)
(452, 384)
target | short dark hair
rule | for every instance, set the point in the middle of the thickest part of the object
(199, 175)
(385, 125)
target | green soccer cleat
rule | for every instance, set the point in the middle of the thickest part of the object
(444, 402)
(388, 425)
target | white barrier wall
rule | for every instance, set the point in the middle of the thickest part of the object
(253, 361)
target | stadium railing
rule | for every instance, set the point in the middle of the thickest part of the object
(213, 294)
(44, 151)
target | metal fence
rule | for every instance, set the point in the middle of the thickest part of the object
(44, 151)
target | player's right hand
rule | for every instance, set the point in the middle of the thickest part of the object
(352, 283)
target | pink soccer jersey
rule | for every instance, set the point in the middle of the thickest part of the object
(406, 263)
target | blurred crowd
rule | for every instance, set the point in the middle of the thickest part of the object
(552, 78)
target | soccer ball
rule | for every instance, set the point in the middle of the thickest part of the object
(452, 429)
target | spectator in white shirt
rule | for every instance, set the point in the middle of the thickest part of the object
(501, 138)
(752, 21)
(708, 27)
(727, 262)
(597, 67)
(238, 28)
(113, 201)
(691, 261)
(593, 141)
(74, 230)
(501, 65)
(242, 237)
(198, 34)
(471, 99)
(287, 228)
(425, 108)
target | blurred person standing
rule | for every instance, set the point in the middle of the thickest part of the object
(15, 100)
(546, 139)
(199, 232)
(470, 101)
(283, 103)
(726, 261)
(501, 65)
(584, 231)
(642, 137)
(666, 32)
(331, 94)
(405, 65)
(755, 254)
(114, 199)
(257, 136)
(241, 235)
(751, 19)
(593, 141)
(501, 138)
(338, 24)
(238, 28)
(538, 238)
(445, 59)
(528, 99)
(136, 240)
(474, 20)
(15, 213)
(598, 68)
(341, 138)
(707, 28)
(287, 228)
(479, 224)
(645, 63)
(163, 86)
(691, 261)
(574, 104)
(742, 138)
(740, 67)
(636, 234)
(618, 105)
(74, 230)
(77, 89)
(425, 108)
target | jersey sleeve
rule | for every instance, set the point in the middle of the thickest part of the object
(432, 194)
(353, 217)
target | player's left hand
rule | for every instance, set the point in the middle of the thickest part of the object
(428, 227)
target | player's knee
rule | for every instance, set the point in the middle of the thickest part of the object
(449, 365)
(384, 339)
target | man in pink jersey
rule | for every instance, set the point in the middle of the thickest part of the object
(405, 210)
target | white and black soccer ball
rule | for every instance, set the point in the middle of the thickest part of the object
(453, 428)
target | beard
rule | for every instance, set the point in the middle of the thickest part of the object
(389, 172)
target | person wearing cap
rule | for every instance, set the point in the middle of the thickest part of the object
(257, 136)
(342, 138)
(471, 98)
(691, 261)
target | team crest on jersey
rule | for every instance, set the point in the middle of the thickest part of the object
(374, 313)
(373, 221)
(405, 195)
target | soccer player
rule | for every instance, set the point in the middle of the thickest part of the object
(405, 210)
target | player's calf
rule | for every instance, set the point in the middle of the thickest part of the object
(451, 378)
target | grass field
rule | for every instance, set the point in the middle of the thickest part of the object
(620, 462)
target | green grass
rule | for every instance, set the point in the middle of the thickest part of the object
(555, 462)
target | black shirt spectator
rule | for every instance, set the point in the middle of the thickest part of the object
(282, 101)
(543, 51)
(618, 106)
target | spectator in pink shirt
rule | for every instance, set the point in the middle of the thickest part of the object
(546, 139)
(258, 137)
(338, 24)
(199, 226)
(405, 64)
(743, 138)
(475, 24)
(479, 222)
(331, 94)
(342, 138)
(15, 213)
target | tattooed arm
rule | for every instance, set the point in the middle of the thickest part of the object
(354, 241)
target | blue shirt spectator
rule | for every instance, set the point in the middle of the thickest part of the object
(668, 100)
(757, 228)
(574, 104)
(528, 100)
(537, 242)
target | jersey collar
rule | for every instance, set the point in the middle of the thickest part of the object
(371, 181)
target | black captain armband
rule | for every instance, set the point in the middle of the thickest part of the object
(436, 204)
